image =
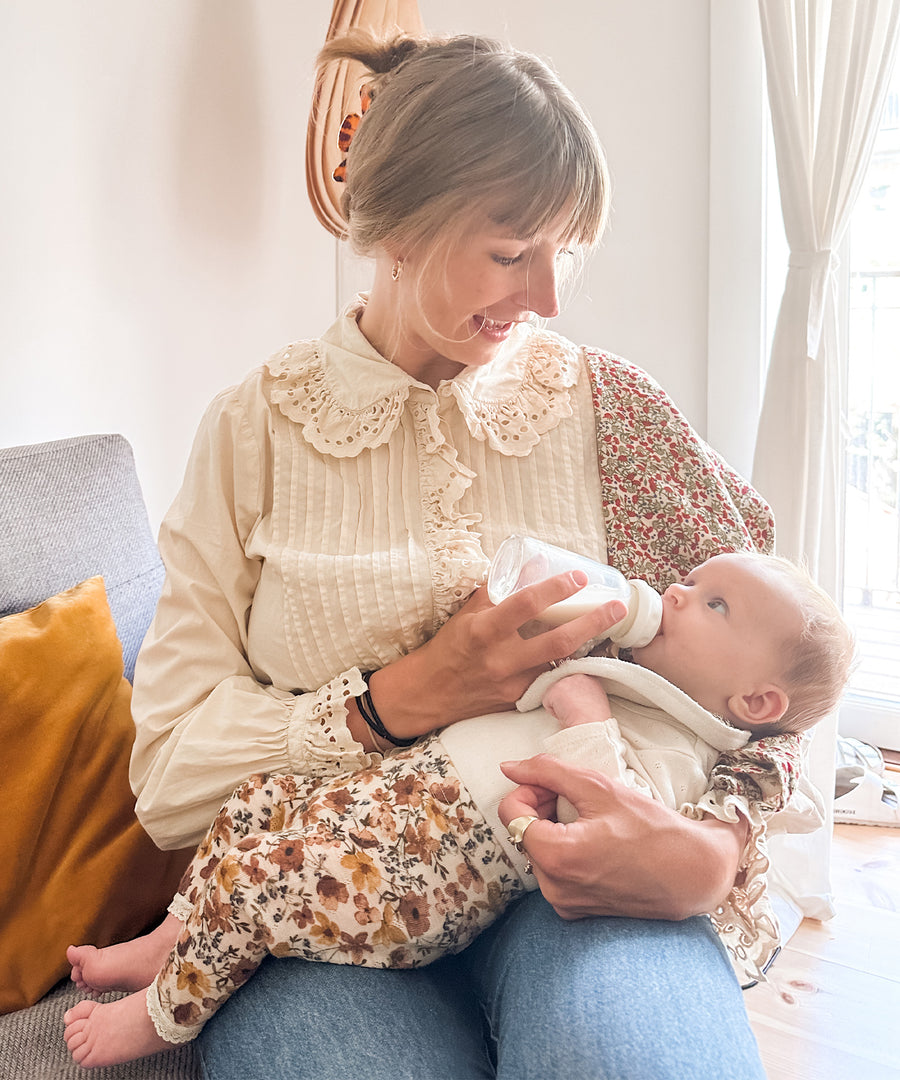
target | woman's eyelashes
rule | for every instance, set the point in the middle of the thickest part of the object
(511, 260)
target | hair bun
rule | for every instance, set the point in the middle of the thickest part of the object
(379, 55)
(394, 52)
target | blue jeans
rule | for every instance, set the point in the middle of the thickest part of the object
(533, 997)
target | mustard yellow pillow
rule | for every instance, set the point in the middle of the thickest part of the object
(76, 864)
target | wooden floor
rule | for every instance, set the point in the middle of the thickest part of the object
(832, 1008)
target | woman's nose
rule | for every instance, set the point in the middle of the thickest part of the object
(541, 288)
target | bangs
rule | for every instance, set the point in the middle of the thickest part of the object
(551, 172)
(544, 197)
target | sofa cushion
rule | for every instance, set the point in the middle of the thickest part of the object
(77, 866)
(72, 509)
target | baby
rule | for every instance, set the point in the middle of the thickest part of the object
(398, 864)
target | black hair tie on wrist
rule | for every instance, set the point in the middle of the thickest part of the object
(369, 713)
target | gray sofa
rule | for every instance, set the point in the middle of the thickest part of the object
(69, 510)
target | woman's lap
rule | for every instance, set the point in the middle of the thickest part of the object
(617, 998)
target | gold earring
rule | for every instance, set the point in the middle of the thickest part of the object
(397, 270)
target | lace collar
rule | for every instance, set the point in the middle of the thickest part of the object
(347, 397)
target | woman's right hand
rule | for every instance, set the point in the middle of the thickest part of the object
(478, 662)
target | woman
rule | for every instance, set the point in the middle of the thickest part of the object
(337, 519)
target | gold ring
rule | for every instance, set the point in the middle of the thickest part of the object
(516, 829)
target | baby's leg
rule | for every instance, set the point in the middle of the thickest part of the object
(260, 804)
(263, 803)
(577, 699)
(389, 867)
(130, 965)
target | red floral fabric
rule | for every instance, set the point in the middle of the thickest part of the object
(670, 503)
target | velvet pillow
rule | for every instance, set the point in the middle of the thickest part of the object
(76, 864)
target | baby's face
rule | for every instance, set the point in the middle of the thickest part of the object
(723, 631)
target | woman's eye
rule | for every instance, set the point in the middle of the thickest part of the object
(718, 605)
(506, 260)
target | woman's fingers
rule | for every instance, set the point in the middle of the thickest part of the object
(527, 801)
(588, 791)
(527, 605)
(626, 854)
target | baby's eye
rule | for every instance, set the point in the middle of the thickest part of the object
(718, 605)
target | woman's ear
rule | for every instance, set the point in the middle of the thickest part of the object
(763, 706)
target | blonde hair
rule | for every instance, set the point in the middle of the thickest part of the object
(819, 662)
(465, 123)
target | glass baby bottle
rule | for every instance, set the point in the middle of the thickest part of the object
(522, 561)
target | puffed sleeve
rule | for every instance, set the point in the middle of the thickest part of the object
(205, 719)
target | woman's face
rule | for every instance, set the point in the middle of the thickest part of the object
(456, 311)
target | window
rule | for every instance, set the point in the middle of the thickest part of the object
(872, 483)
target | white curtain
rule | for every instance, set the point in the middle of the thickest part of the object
(828, 65)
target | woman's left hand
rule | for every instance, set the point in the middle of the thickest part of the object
(626, 854)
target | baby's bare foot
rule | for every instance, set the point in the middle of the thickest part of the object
(131, 965)
(111, 1033)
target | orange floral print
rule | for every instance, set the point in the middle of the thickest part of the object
(389, 867)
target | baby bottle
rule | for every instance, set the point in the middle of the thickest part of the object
(522, 560)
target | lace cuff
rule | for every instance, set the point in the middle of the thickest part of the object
(165, 1027)
(180, 907)
(319, 741)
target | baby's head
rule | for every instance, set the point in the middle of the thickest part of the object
(753, 639)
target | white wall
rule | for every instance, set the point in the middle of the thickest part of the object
(157, 239)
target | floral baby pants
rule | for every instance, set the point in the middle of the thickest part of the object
(391, 866)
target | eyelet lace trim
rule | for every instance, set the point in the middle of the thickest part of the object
(513, 425)
(303, 394)
(181, 907)
(318, 736)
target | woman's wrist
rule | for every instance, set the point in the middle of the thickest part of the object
(395, 700)
(361, 731)
(407, 697)
(369, 713)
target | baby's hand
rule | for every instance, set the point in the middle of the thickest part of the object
(577, 699)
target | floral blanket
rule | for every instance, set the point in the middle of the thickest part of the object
(670, 503)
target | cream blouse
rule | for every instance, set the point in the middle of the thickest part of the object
(334, 513)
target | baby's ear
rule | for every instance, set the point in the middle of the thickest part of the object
(763, 706)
